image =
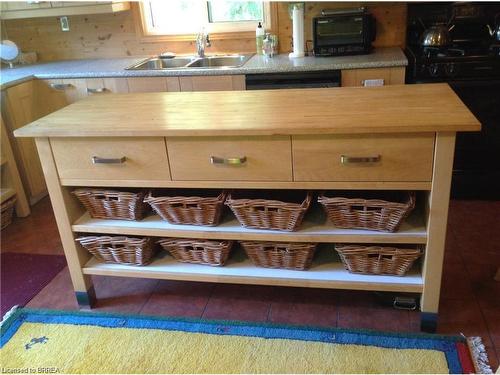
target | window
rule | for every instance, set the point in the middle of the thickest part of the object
(179, 17)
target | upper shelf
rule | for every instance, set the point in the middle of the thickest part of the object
(16, 9)
(315, 228)
(347, 110)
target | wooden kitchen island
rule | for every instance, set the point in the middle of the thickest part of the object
(401, 138)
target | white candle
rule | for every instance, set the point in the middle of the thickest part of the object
(298, 31)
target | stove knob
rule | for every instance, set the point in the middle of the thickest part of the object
(450, 69)
(433, 70)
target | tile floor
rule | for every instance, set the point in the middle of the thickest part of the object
(470, 298)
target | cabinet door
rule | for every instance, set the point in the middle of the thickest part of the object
(357, 77)
(61, 92)
(24, 5)
(212, 83)
(153, 84)
(23, 107)
(106, 85)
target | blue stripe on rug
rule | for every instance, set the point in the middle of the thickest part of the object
(445, 344)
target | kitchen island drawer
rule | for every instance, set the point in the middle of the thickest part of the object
(265, 158)
(393, 157)
(105, 158)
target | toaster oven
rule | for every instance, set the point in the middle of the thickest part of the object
(343, 33)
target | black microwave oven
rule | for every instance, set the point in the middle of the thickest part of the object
(343, 34)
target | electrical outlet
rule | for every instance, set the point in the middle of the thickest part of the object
(64, 23)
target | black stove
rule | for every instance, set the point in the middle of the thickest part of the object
(471, 66)
(431, 64)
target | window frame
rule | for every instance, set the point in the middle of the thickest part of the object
(219, 30)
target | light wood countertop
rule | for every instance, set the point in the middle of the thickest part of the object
(388, 109)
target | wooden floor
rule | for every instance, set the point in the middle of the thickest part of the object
(470, 299)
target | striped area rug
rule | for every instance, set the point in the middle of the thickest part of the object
(89, 342)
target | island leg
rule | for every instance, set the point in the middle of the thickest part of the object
(66, 210)
(437, 217)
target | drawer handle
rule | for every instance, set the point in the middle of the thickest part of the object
(61, 86)
(97, 91)
(230, 161)
(344, 159)
(98, 160)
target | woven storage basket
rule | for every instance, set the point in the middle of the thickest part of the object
(188, 210)
(373, 214)
(7, 211)
(111, 204)
(290, 255)
(122, 250)
(377, 260)
(212, 253)
(269, 214)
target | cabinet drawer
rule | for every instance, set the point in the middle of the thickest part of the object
(363, 158)
(230, 158)
(357, 77)
(82, 158)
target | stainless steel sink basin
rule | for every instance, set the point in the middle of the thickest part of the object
(233, 61)
(193, 62)
(156, 63)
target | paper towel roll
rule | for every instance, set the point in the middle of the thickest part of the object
(298, 31)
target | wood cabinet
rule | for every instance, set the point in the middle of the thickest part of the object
(152, 84)
(393, 157)
(212, 83)
(230, 158)
(22, 104)
(357, 77)
(111, 158)
(253, 156)
(9, 176)
(33, 9)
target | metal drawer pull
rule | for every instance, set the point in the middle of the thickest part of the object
(231, 161)
(98, 160)
(61, 86)
(97, 91)
(344, 159)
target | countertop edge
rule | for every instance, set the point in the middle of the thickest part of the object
(384, 57)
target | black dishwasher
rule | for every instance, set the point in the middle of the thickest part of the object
(293, 80)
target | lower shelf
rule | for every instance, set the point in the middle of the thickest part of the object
(325, 272)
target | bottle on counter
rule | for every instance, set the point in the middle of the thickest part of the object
(259, 38)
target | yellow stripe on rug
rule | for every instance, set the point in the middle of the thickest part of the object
(92, 349)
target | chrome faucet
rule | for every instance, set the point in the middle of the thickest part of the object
(202, 41)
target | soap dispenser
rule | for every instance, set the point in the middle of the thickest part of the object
(259, 38)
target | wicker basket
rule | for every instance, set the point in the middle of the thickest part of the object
(290, 255)
(269, 214)
(7, 211)
(188, 210)
(377, 260)
(373, 214)
(122, 250)
(212, 253)
(110, 204)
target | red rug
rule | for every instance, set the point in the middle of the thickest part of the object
(23, 276)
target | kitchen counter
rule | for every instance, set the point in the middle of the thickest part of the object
(403, 108)
(399, 137)
(381, 57)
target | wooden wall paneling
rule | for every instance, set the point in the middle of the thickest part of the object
(115, 35)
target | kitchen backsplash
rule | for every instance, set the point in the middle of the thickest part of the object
(117, 35)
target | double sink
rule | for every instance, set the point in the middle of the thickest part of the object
(192, 62)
